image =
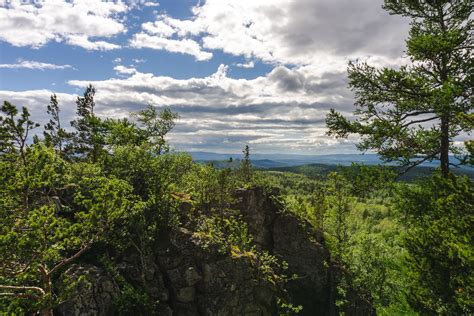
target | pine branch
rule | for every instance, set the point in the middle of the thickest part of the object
(419, 121)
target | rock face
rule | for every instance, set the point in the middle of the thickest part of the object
(187, 279)
(287, 238)
(209, 283)
(95, 294)
(184, 278)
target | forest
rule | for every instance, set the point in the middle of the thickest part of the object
(111, 198)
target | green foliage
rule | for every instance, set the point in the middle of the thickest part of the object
(440, 217)
(412, 114)
(116, 188)
(60, 200)
(54, 134)
(88, 139)
(211, 189)
(203, 183)
(122, 132)
(339, 207)
(469, 157)
(134, 301)
(14, 130)
(55, 227)
(363, 233)
(366, 180)
(157, 125)
(246, 165)
(227, 235)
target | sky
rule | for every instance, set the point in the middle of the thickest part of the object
(258, 72)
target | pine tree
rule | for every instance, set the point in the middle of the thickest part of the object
(439, 239)
(15, 131)
(55, 135)
(88, 138)
(246, 165)
(412, 114)
(156, 125)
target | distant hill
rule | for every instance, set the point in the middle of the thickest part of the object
(319, 171)
(291, 159)
(324, 164)
(235, 163)
(288, 160)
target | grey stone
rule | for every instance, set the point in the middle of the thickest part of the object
(186, 294)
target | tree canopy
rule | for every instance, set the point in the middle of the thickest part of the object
(414, 113)
(64, 194)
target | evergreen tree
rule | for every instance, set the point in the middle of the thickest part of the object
(55, 135)
(246, 165)
(318, 201)
(156, 125)
(339, 204)
(88, 138)
(412, 114)
(38, 242)
(15, 131)
(439, 214)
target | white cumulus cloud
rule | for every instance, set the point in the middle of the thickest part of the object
(124, 70)
(325, 33)
(183, 46)
(75, 22)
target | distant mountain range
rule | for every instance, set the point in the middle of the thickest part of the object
(314, 166)
(288, 160)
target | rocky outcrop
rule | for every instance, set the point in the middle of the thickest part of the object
(294, 241)
(203, 282)
(94, 292)
(289, 239)
(185, 278)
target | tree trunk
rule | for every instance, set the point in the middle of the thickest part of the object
(444, 149)
(48, 310)
(48, 289)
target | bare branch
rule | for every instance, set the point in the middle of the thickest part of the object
(66, 261)
(417, 163)
(415, 114)
(21, 295)
(419, 121)
(22, 288)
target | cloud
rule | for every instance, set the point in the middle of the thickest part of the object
(271, 110)
(75, 22)
(323, 32)
(37, 100)
(124, 70)
(151, 4)
(158, 28)
(183, 46)
(166, 34)
(249, 64)
(84, 42)
(220, 113)
(30, 64)
(308, 44)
